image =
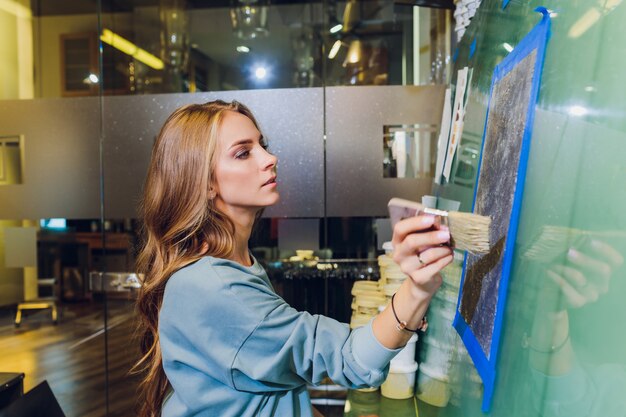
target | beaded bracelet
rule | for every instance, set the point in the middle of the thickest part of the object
(552, 349)
(402, 324)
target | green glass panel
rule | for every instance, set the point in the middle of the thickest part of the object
(563, 346)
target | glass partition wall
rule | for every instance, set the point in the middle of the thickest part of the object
(50, 187)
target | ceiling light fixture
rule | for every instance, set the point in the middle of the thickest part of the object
(355, 52)
(131, 49)
(243, 49)
(260, 73)
(336, 28)
(334, 49)
(249, 18)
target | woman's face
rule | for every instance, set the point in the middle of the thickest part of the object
(245, 173)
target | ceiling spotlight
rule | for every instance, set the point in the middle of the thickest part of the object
(260, 73)
(93, 78)
(578, 111)
(243, 49)
(336, 28)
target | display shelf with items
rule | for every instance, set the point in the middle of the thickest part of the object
(463, 14)
(80, 75)
(71, 256)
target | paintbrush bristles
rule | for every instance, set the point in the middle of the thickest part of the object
(469, 231)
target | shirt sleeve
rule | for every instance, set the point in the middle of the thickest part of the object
(290, 348)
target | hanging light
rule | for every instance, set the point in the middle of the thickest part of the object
(355, 52)
(249, 18)
(174, 33)
(334, 49)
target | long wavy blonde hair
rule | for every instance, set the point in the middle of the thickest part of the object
(180, 221)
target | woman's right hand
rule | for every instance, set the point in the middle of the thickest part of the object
(586, 275)
(420, 251)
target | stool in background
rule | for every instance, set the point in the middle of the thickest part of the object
(40, 303)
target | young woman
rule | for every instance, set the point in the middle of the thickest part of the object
(216, 339)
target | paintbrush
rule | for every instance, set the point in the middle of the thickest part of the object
(553, 242)
(468, 231)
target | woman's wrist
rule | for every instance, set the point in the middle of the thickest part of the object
(420, 292)
(413, 302)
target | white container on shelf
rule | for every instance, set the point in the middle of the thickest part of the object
(400, 383)
(432, 386)
(359, 320)
(388, 248)
(407, 355)
(365, 285)
(395, 277)
(390, 289)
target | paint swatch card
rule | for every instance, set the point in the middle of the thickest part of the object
(458, 115)
(444, 134)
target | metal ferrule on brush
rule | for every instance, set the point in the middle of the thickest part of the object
(441, 219)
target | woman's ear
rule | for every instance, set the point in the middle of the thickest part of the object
(212, 193)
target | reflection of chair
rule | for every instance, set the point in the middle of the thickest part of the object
(40, 303)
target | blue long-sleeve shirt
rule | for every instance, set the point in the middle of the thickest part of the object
(232, 347)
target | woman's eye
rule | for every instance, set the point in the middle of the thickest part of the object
(242, 154)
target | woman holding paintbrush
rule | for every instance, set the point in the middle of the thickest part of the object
(215, 337)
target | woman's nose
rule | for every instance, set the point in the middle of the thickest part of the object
(271, 161)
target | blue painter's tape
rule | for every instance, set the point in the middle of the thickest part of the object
(456, 54)
(505, 3)
(536, 40)
(472, 48)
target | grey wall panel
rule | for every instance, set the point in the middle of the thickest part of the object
(61, 158)
(291, 119)
(355, 117)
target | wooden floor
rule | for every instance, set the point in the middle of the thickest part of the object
(71, 356)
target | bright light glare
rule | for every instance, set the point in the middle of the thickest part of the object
(93, 78)
(15, 8)
(260, 73)
(507, 46)
(335, 48)
(578, 111)
(584, 23)
(336, 28)
(243, 49)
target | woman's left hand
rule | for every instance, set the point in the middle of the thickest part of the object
(419, 252)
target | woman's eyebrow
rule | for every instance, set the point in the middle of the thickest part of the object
(246, 141)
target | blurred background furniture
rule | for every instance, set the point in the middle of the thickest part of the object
(41, 302)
